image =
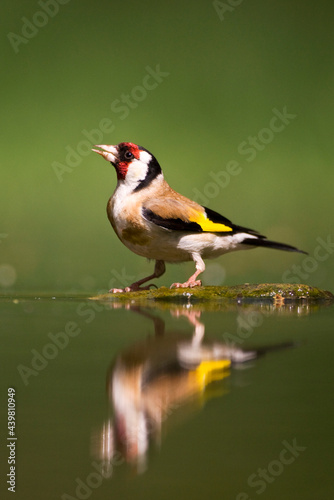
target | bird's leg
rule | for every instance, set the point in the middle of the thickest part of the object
(192, 281)
(159, 270)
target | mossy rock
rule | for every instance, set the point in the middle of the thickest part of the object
(274, 292)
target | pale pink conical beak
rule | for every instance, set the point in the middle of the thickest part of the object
(109, 153)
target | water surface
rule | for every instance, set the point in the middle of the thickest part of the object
(128, 402)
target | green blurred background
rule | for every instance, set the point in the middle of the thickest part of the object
(227, 70)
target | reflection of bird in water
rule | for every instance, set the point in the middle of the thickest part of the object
(152, 379)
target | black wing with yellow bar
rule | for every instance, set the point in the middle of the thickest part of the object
(198, 222)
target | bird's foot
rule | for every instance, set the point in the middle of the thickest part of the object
(132, 288)
(187, 284)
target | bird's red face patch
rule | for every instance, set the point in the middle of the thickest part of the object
(129, 146)
(127, 152)
(121, 170)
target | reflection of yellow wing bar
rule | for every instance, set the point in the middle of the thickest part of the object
(208, 371)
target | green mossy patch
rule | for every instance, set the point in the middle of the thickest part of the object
(269, 291)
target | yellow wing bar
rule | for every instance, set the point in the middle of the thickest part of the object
(207, 225)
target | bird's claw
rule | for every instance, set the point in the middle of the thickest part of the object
(187, 284)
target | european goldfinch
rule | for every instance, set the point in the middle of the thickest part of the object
(156, 222)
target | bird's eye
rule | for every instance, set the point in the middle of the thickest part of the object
(128, 155)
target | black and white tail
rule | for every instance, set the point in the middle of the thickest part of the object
(261, 241)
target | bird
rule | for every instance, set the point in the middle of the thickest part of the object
(154, 221)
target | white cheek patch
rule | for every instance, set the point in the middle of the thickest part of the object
(138, 169)
(145, 157)
(137, 172)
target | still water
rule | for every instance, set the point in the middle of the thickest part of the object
(226, 400)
